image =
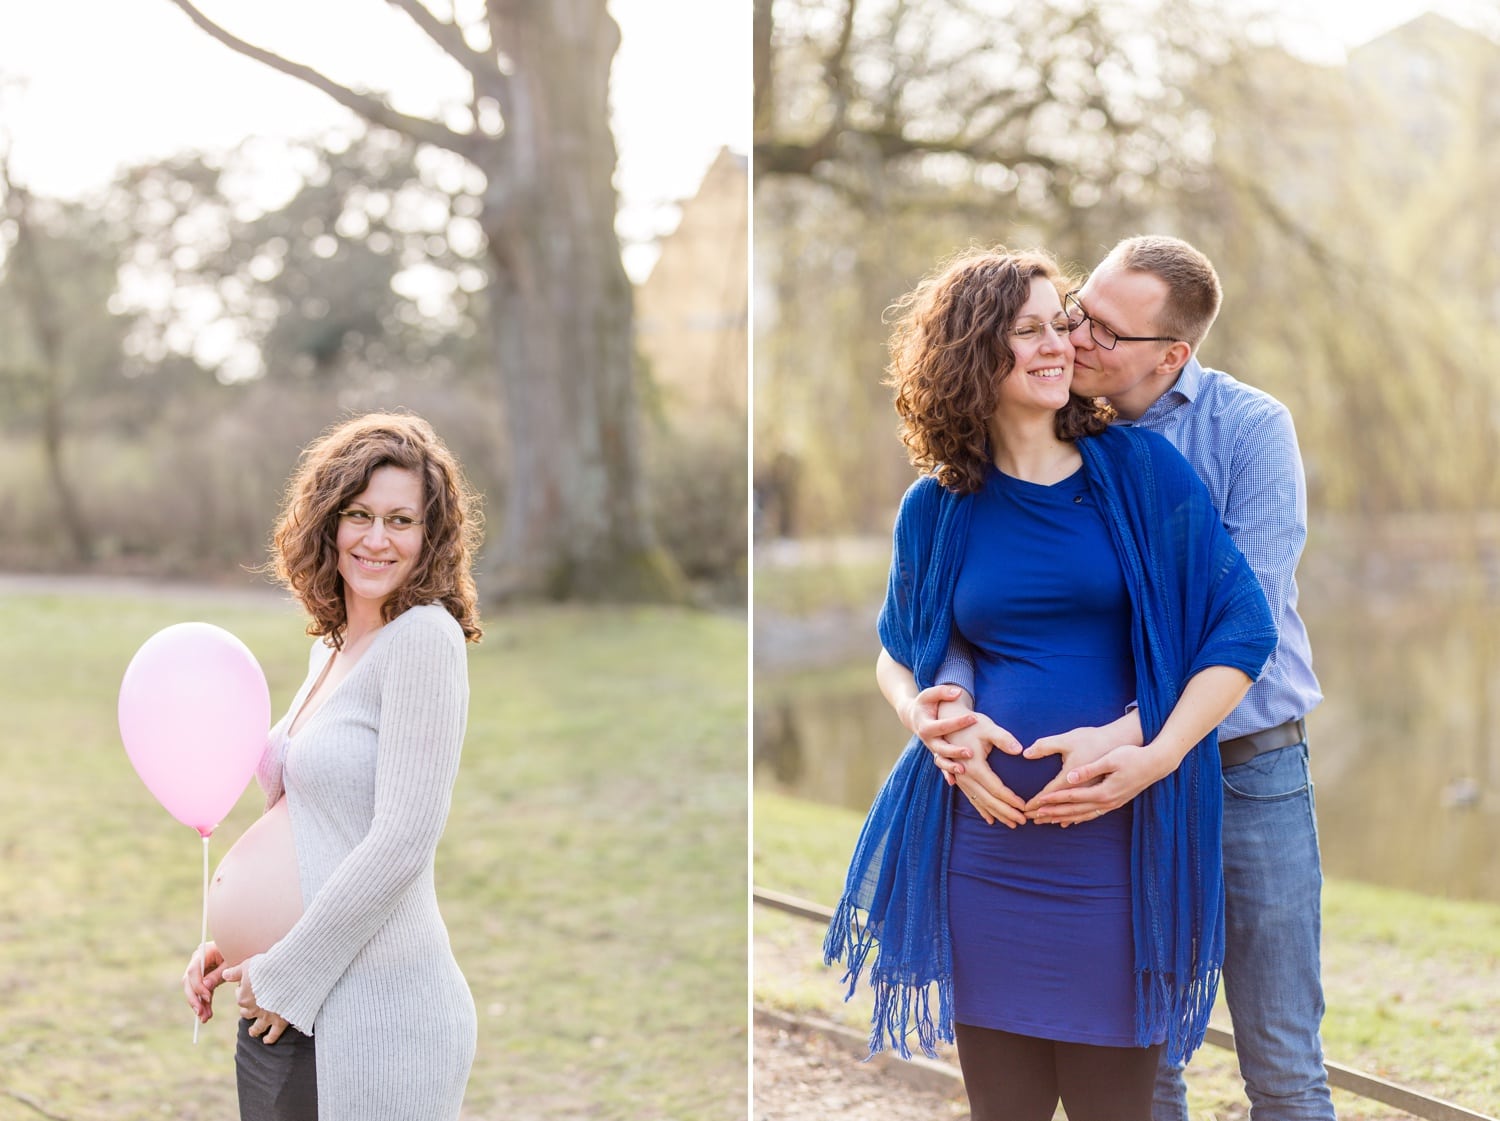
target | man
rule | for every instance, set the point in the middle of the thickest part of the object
(1136, 326)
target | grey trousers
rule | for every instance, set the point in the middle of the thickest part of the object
(276, 1081)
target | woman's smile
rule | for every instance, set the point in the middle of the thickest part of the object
(376, 557)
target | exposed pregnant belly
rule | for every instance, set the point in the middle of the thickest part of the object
(256, 897)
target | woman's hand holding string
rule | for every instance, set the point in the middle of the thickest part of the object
(203, 975)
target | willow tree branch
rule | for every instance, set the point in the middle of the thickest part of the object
(773, 157)
(368, 106)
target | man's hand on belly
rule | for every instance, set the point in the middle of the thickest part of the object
(934, 716)
(977, 782)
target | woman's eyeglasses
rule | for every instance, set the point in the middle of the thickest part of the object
(1033, 332)
(363, 519)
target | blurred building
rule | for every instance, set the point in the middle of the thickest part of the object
(692, 312)
(1437, 88)
(1434, 82)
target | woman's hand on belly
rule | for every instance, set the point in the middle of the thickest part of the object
(266, 1023)
(980, 784)
(967, 748)
(1102, 769)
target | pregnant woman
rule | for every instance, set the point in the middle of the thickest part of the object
(325, 911)
(1088, 569)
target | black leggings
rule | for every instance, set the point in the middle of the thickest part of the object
(276, 1081)
(1021, 1078)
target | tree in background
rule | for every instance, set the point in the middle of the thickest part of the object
(889, 134)
(1039, 111)
(1346, 207)
(371, 270)
(575, 523)
(240, 328)
(58, 272)
(1349, 221)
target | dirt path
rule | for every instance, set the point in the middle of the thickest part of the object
(812, 1075)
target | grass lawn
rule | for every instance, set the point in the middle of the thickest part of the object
(592, 874)
(1412, 983)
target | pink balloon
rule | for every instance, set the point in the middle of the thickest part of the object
(194, 714)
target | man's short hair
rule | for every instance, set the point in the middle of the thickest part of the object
(1193, 292)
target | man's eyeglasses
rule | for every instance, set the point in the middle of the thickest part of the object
(1103, 336)
(363, 519)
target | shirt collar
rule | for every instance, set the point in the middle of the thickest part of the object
(1184, 389)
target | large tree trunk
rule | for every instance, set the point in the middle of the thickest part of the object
(575, 522)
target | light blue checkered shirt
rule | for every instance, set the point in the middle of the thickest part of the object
(1242, 444)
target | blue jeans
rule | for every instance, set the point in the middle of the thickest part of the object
(1273, 887)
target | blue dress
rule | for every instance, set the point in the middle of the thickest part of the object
(1040, 915)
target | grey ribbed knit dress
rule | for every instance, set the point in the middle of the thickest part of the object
(368, 779)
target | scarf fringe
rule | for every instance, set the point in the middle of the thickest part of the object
(848, 940)
(901, 1007)
(1181, 1018)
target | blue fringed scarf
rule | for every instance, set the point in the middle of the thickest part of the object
(1195, 603)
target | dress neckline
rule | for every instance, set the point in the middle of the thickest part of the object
(1012, 480)
(301, 701)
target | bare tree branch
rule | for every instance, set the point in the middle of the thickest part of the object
(488, 80)
(836, 70)
(368, 106)
(790, 158)
(801, 159)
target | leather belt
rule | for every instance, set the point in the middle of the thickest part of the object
(1242, 749)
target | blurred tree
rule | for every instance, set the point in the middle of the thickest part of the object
(1346, 208)
(371, 268)
(1045, 110)
(57, 342)
(1361, 298)
(575, 522)
(889, 134)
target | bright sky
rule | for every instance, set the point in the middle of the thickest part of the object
(115, 82)
(1324, 30)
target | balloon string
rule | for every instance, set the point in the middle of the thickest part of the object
(203, 936)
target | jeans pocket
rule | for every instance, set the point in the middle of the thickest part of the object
(1272, 777)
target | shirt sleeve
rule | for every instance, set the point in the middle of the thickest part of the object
(424, 697)
(958, 664)
(1265, 506)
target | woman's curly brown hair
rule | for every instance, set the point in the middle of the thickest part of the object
(950, 351)
(337, 466)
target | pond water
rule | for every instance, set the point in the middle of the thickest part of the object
(1405, 748)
